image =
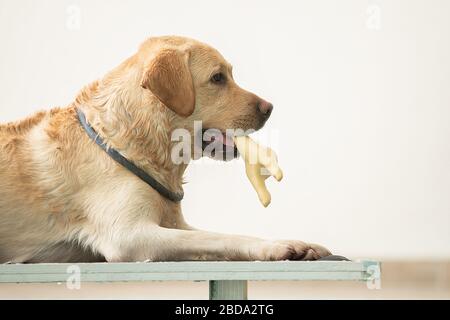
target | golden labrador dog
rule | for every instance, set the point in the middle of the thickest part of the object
(64, 198)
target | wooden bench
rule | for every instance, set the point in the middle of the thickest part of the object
(227, 280)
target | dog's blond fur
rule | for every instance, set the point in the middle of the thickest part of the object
(63, 199)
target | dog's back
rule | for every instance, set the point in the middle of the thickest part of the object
(32, 217)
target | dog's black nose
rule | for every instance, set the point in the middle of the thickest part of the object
(265, 107)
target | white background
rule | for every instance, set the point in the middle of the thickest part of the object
(362, 107)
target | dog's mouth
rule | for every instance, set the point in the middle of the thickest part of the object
(219, 144)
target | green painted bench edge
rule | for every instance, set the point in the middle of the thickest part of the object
(364, 270)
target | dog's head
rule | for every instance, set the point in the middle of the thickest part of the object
(196, 83)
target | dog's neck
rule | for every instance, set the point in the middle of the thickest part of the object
(135, 123)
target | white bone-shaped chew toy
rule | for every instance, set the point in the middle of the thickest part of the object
(260, 163)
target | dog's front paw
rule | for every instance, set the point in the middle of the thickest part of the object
(292, 250)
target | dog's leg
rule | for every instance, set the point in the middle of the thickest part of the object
(173, 244)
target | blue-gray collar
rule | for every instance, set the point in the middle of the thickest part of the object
(115, 155)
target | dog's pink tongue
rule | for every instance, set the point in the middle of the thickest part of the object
(226, 140)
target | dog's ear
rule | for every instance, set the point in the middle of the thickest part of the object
(168, 77)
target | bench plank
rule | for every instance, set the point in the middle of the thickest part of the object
(192, 271)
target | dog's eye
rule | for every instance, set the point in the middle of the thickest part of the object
(218, 78)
